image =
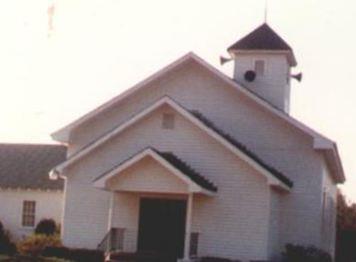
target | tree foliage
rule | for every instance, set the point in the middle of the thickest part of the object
(297, 253)
(346, 230)
(46, 227)
(6, 246)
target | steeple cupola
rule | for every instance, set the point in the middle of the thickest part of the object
(263, 62)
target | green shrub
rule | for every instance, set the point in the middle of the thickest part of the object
(297, 253)
(75, 254)
(6, 246)
(46, 227)
(34, 245)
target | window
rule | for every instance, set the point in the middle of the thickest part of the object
(28, 213)
(194, 240)
(117, 238)
(260, 67)
(328, 218)
(168, 121)
(324, 202)
(288, 76)
(325, 211)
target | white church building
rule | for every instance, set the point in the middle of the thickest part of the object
(191, 163)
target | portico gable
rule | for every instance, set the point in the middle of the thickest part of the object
(151, 171)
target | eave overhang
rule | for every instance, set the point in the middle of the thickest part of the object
(63, 134)
(272, 178)
(289, 54)
(200, 185)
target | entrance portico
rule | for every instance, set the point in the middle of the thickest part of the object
(152, 203)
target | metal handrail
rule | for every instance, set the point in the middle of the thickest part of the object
(123, 239)
(113, 240)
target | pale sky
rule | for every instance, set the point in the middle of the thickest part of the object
(100, 48)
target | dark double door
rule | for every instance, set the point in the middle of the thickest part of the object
(162, 227)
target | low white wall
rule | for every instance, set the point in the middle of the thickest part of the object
(49, 204)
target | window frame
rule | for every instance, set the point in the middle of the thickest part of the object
(255, 62)
(28, 216)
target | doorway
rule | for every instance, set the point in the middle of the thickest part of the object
(162, 227)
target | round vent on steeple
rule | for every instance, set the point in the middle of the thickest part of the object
(250, 75)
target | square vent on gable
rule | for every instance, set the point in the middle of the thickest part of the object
(168, 121)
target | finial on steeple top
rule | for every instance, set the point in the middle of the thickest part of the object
(266, 11)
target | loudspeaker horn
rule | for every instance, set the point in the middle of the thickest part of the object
(298, 77)
(224, 60)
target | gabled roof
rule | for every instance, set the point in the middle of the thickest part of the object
(62, 134)
(262, 38)
(188, 171)
(274, 177)
(178, 167)
(26, 166)
(320, 141)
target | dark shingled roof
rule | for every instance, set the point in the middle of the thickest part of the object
(27, 166)
(262, 38)
(244, 149)
(189, 171)
(177, 163)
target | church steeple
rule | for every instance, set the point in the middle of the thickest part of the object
(263, 38)
(262, 64)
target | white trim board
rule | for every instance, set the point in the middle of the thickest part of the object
(192, 186)
(272, 180)
(320, 142)
(62, 134)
